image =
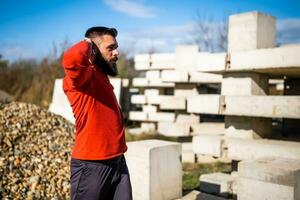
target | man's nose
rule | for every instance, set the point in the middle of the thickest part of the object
(116, 52)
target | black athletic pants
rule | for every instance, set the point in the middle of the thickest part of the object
(103, 179)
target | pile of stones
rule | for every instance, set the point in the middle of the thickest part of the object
(35, 149)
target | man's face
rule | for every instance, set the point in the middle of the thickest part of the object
(107, 46)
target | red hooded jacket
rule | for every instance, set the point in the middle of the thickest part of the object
(100, 131)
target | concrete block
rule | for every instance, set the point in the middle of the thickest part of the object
(208, 145)
(245, 84)
(243, 149)
(148, 127)
(190, 119)
(276, 61)
(213, 128)
(249, 189)
(153, 74)
(125, 82)
(163, 61)
(173, 129)
(174, 76)
(204, 104)
(160, 84)
(151, 92)
(142, 61)
(149, 108)
(138, 116)
(155, 169)
(117, 85)
(60, 104)
(216, 183)
(262, 106)
(193, 195)
(185, 92)
(186, 57)
(138, 99)
(156, 99)
(140, 82)
(202, 77)
(162, 117)
(187, 154)
(135, 131)
(210, 61)
(248, 31)
(248, 127)
(277, 170)
(173, 103)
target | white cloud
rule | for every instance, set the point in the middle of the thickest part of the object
(13, 51)
(288, 31)
(132, 7)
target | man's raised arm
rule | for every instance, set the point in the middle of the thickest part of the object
(76, 63)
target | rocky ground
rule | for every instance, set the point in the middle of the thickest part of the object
(34, 153)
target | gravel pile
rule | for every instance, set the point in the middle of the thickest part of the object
(35, 149)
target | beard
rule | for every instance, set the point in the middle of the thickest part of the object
(109, 68)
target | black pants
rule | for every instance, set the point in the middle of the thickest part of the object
(97, 180)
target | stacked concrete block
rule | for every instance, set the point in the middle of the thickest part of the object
(270, 178)
(245, 149)
(219, 184)
(187, 154)
(155, 169)
(169, 80)
(248, 31)
(208, 145)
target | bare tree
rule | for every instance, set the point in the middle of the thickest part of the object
(210, 35)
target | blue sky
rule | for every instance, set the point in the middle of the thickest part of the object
(28, 28)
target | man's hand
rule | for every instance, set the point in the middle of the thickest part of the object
(92, 51)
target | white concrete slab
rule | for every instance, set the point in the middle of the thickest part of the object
(155, 169)
(140, 82)
(245, 84)
(262, 106)
(138, 116)
(276, 170)
(162, 117)
(249, 189)
(173, 129)
(186, 57)
(151, 92)
(163, 61)
(213, 128)
(60, 104)
(149, 108)
(142, 61)
(153, 74)
(187, 154)
(185, 92)
(174, 76)
(160, 84)
(243, 149)
(276, 61)
(138, 99)
(202, 77)
(204, 104)
(186, 118)
(208, 145)
(210, 61)
(173, 103)
(252, 30)
(217, 183)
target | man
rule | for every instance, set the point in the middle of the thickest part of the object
(98, 167)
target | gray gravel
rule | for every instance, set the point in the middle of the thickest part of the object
(35, 149)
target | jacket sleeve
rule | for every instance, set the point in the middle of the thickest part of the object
(76, 64)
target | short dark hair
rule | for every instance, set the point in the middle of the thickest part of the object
(100, 31)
